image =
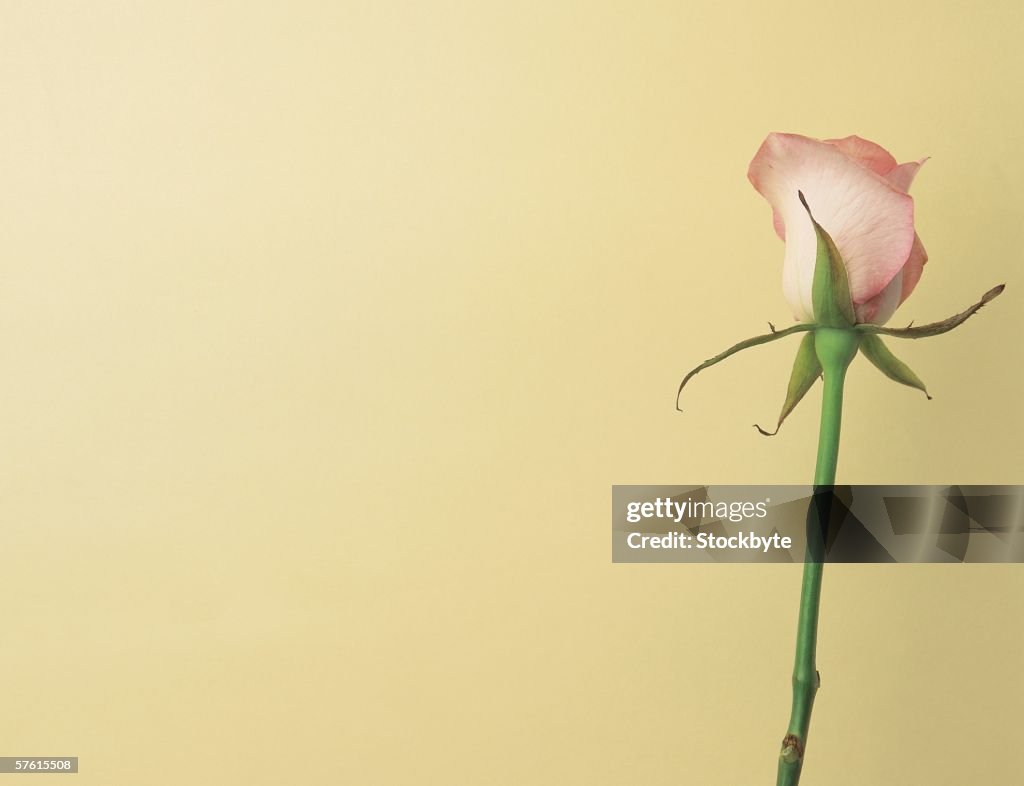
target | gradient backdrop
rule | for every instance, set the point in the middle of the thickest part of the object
(325, 329)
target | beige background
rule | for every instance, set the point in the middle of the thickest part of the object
(326, 327)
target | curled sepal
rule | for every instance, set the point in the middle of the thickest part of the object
(806, 369)
(830, 289)
(775, 335)
(878, 353)
(935, 328)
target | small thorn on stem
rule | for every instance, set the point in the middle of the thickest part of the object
(772, 327)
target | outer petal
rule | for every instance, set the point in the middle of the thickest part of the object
(867, 153)
(902, 176)
(778, 225)
(879, 309)
(875, 158)
(913, 269)
(871, 221)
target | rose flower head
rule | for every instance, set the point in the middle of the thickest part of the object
(858, 194)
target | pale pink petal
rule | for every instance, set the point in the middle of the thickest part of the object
(778, 225)
(902, 176)
(882, 306)
(874, 157)
(871, 222)
(913, 269)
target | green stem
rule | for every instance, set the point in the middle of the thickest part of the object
(835, 349)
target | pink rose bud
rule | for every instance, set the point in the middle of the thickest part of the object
(858, 194)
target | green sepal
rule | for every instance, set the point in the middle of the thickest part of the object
(806, 369)
(775, 335)
(875, 350)
(830, 289)
(935, 328)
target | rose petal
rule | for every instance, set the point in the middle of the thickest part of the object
(871, 221)
(882, 306)
(902, 176)
(778, 224)
(863, 151)
(914, 268)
